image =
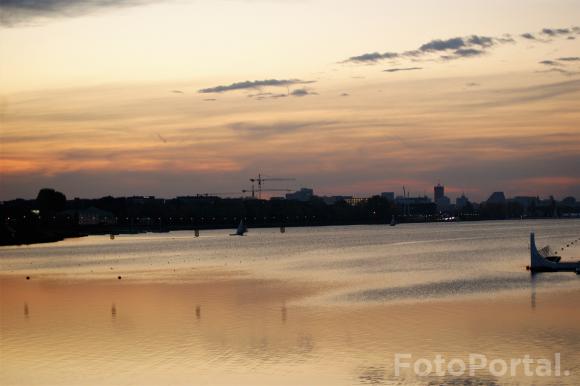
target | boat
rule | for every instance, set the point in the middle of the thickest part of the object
(542, 260)
(242, 229)
(393, 221)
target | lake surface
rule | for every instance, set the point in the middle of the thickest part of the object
(312, 306)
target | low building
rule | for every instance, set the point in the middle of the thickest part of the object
(331, 200)
(526, 202)
(389, 196)
(461, 202)
(90, 216)
(304, 194)
(443, 203)
(496, 198)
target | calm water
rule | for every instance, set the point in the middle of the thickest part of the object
(313, 306)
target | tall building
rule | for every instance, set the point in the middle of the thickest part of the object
(438, 192)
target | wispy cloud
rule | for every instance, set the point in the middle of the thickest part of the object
(522, 95)
(559, 31)
(550, 63)
(560, 65)
(467, 53)
(559, 71)
(453, 48)
(528, 36)
(16, 12)
(460, 47)
(458, 43)
(256, 85)
(301, 92)
(257, 130)
(402, 69)
(371, 57)
(546, 34)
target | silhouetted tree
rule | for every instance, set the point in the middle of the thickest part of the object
(49, 200)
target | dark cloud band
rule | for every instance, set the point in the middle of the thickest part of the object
(461, 47)
(403, 69)
(14, 12)
(256, 84)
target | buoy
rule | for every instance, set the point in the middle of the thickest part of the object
(119, 277)
(27, 277)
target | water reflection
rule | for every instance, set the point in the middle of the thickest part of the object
(248, 326)
(248, 335)
(283, 311)
(198, 312)
(533, 289)
(466, 381)
(372, 376)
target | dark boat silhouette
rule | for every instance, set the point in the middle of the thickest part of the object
(242, 229)
(541, 261)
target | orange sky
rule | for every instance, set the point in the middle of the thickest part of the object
(175, 98)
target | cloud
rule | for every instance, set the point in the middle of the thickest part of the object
(371, 57)
(549, 63)
(559, 71)
(558, 65)
(14, 12)
(556, 31)
(460, 47)
(256, 84)
(549, 33)
(443, 45)
(448, 49)
(258, 130)
(268, 95)
(467, 52)
(522, 95)
(528, 36)
(403, 69)
(300, 92)
(459, 43)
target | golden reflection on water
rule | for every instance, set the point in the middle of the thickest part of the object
(233, 331)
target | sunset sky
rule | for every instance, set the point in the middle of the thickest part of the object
(168, 98)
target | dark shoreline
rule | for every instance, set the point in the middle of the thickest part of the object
(30, 236)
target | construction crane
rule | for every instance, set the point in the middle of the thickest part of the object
(267, 190)
(261, 179)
